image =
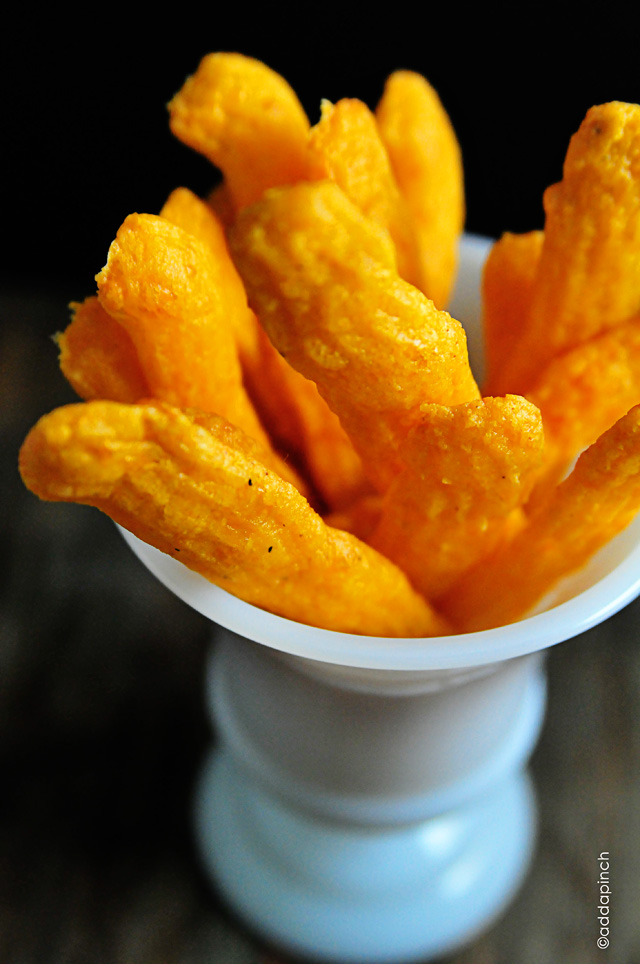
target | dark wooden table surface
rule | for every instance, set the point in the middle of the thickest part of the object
(102, 727)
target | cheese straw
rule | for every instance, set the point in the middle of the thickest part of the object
(172, 298)
(97, 356)
(583, 392)
(345, 146)
(323, 281)
(194, 487)
(468, 468)
(598, 500)
(427, 163)
(290, 407)
(588, 279)
(508, 280)
(247, 120)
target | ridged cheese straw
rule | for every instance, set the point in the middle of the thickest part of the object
(508, 282)
(247, 120)
(583, 392)
(345, 146)
(468, 468)
(323, 281)
(189, 212)
(589, 274)
(177, 304)
(97, 356)
(427, 163)
(290, 407)
(596, 502)
(192, 486)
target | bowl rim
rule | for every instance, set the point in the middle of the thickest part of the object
(531, 634)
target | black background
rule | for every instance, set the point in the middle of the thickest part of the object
(86, 137)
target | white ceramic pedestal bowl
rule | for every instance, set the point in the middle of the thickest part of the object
(368, 799)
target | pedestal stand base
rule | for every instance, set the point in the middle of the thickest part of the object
(341, 892)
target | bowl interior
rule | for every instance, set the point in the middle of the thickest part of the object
(605, 585)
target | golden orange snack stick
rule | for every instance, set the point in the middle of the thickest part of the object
(426, 160)
(97, 356)
(300, 422)
(468, 468)
(296, 416)
(176, 303)
(194, 490)
(581, 392)
(164, 288)
(322, 279)
(345, 147)
(507, 288)
(247, 120)
(585, 391)
(589, 274)
(189, 212)
(596, 502)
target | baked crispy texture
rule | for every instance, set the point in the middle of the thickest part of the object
(427, 163)
(97, 356)
(589, 274)
(171, 296)
(177, 304)
(331, 227)
(189, 212)
(192, 487)
(247, 120)
(290, 407)
(345, 146)
(322, 279)
(300, 421)
(192, 214)
(507, 288)
(596, 502)
(583, 392)
(467, 469)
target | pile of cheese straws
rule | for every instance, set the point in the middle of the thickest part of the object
(275, 396)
